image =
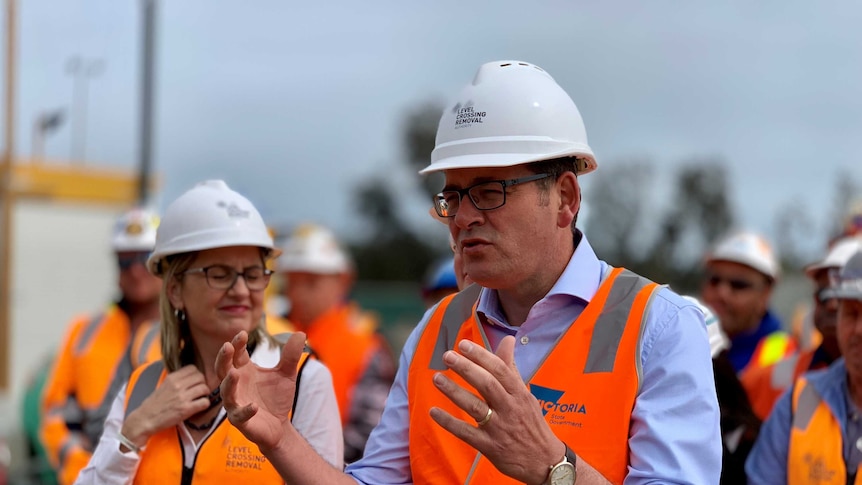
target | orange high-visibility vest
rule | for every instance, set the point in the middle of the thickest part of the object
(586, 386)
(89, 370)
(770, 349)
(225, 454)
(765, 385)
(345, 339)
(815, 454)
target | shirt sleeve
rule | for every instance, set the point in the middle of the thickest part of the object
(675, 435)
(108, 465)
(767, 462)
(387, 453)
(316, 417)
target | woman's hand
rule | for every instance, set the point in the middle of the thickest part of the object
(258, 401)
(181, 395)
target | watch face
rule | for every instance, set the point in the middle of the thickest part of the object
(563, 474)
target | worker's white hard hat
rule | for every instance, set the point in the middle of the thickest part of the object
(209, 216)
(510, 114)
(313, 249)
(749, 249)
(837, 256)
(135, 230)
(848, 284)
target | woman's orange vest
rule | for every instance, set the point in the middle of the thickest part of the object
(815, 454)
(225, 455)
(586, 387)
(345, 339)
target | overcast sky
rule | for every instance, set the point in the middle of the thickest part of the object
(292, 103)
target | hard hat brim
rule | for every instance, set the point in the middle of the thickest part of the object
(497, 160)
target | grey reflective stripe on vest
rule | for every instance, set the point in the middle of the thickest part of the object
(88, 333)
(611, 323)
(458, 311)
(782, 373)
(73, 440)
(145, 385)
(807, 404)
(151, 335)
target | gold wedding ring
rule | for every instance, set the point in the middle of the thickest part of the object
(487, 418)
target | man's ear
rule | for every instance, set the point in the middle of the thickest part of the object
(174, 292)
(570, 199)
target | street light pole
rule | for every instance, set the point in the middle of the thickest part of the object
(81, 70)
(147, 74)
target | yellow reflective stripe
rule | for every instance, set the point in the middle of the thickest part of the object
(773, 348)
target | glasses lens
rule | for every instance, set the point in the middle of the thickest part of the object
(446, 203)
(489, 195)
(735, 284)
(255, 278)
(220, 277)
(126, 261)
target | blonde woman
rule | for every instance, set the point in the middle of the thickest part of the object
(167, 425)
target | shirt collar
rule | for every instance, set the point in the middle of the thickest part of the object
(580, 279)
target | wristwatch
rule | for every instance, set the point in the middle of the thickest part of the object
(565, 472)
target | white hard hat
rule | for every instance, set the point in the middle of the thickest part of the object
(510, 114)
(313, 249)
(837, 256)
(749, 249)
(848, 284)
(209, 216)
(135, 231)
(718, 341)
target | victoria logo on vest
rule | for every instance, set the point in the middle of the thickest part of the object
(562, 413)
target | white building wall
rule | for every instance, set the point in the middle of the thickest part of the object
(62, 266)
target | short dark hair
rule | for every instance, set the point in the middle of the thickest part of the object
(556, 167)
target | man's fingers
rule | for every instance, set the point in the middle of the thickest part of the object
(501, 371)
(464, 431)
(291, 352)
(464, 399)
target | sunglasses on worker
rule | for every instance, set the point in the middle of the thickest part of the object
(126, 260)
(735, 284)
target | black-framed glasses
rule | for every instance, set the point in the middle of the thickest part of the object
(127, 260)
(484, 195)
(222, 277)
(735, 284)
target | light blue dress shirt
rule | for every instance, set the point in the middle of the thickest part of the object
(674, 435)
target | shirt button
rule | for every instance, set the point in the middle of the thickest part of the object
(525, 340)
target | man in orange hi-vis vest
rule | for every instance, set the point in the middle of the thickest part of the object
(318, 276)
(764, 386)
(95, 358)
(554, 367)
(814, 433)
(740, 274)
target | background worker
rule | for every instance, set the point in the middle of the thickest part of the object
(439, 281)
(813, 434)
(94, 359)
(765, 386)
(318, 276)
(740, 273)
(554, 367)
(168, 425)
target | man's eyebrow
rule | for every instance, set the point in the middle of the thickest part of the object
(476, 181)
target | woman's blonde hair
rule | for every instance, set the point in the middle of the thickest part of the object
(178, 347)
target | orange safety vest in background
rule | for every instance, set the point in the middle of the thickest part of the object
(89, 370)
(815, 455)
(586, 386)
(345, 339)
(765, 385)
(770, 349)
(224, 456)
